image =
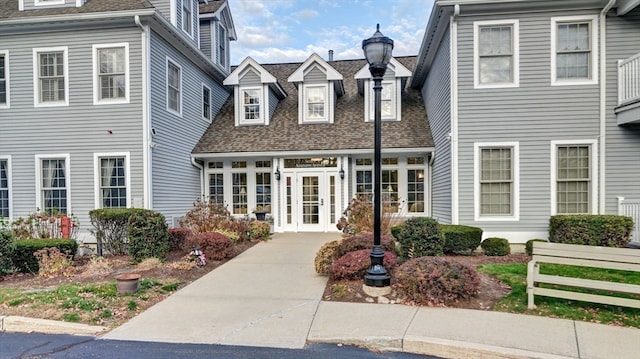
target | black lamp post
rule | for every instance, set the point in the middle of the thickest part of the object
(377, 50)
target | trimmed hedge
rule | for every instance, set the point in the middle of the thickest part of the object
(354, 265)
(496, 246)
(216, 246)
(325, 256)
(148, 236)
(460, 239)
(178, 238)
(528, 247)
(110, 228)
(364, 241)
(591, 230)
(419, 237)
(25, 261)
(7, 249)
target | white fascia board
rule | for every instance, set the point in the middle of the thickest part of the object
(234, 78)
(399, 70)
(332, 74)
(76, 17)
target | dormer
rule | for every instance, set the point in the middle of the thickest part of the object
(255, 93)
(319, 85)
(48, 4)
(393, 83)
(216, 32)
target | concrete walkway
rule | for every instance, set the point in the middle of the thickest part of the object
(271, 296)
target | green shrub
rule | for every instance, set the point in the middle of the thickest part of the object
(419, 237)
(495, 246)
(215, 246)
(110, 228)
(259, 230)
(25, 261)
(364, 241)
(148, 236)
(325, 256)
(354, 265)
(7, 249)
(591, 230)
(178, 238)
(528, 247)
(435, 281)
(460, 239)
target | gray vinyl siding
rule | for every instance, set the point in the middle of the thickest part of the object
(273, 103)
(30, 5)
(175, 181)
(532, 114)
(205, 38)
(164, 7)
(623, 142)
(251, 78)
(315, 76)
(436, 93)
(80, 129)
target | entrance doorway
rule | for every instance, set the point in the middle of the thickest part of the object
(311, 201)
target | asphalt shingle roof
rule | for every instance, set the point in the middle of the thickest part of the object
(9, 8)
(349, 130)
(211, 7)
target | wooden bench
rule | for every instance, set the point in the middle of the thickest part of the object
(587, 256)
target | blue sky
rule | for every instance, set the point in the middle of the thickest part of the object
(274, 31)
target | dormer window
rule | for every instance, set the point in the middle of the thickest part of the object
(251, 108)
(222, 45)
(391, 94)
(187, 17)
(316, 101)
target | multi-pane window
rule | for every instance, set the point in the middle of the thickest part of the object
(53, 186)
(222, 46)
(239, 190)
(4, 188)
(111, 72)
(495, 50)
(4, 74)
(174, 87)
(251, 99)
(315, 102)
(390, 190)
(113, 182)
(496, 181)
(263, 185)
(216, 188)
(206, 103)
(389, 184)
(574, 53)
(573, 179)
(415, 185)
(51, 77)
(387, 109)
(187, 17)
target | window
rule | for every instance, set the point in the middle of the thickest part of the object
(239, 190)
(50, 77)
(574, 50)
(187, 17)
(48, 2)
(111, 73)
(415, 185)
(4, 187)
(4, 79)
(113, 180)
(315, 102)
(52, 180)
(174, 87)
(206, 103)
(496, 168)
(216, 188)
(496, 53)
(387, 102)
(263, 190)
(389, 184)
(574, 177)
(222, 45)
(251, 106)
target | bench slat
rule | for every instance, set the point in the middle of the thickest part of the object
(624, 255)
(596, 298)
(586, 262)
(589, 283)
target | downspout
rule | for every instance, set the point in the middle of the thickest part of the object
(603, 105)
(146, 119)
(455, 205)
(202, 174)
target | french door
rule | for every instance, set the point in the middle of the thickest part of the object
(310, 202)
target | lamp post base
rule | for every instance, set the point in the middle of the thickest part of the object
(377, 280)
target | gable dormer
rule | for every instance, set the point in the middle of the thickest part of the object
(255, 93)
(48, 4)
(216, 32)
(319, 85)
(393, 83)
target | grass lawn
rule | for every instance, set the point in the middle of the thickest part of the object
(515, 275)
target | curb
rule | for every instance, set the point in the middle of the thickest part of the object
(45, 326)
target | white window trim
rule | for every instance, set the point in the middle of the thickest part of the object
(240, 120)
(216, 43)
(7, 73)
(208, 119)
(477, 147)
(10, 185)
(166, 87)
(369, 115)
(96, 80)
(96, 175)
(303, 108)
(67, 164)
(515, 37)
(594, 171)
(190, 34)
(594, 49)
(48, 2)
(36, 71)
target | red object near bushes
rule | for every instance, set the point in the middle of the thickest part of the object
(216, 246)
(354, 265)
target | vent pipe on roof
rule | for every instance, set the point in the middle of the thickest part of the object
(330, 55)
